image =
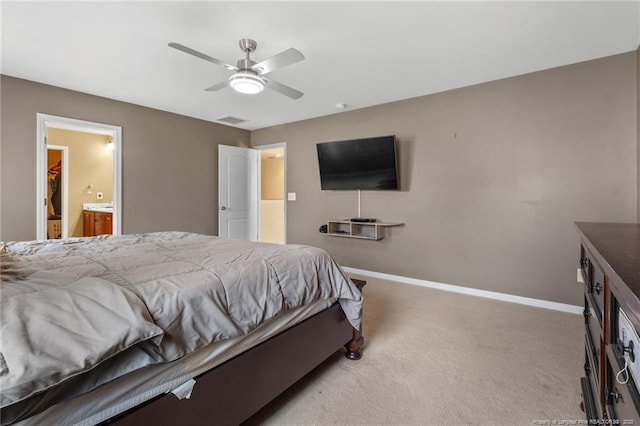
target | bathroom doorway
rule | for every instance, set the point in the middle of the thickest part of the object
(90, 180)
(272, 217)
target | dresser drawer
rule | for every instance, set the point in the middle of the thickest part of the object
(590, 389)
(590, 403)
(585, 265)
(593, 358)
(593, 333)
(593, 278)
(596, 289)
(622, 401)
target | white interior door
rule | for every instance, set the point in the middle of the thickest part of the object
(237, 193)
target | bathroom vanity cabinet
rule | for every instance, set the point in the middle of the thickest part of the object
(96, 223)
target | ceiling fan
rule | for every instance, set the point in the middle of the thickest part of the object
(249, 76)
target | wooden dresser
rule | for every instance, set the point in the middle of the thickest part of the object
(610, 268)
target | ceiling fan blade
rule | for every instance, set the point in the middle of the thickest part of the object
(283, 89)
(200, 55)
(218, 86)
(282, 59)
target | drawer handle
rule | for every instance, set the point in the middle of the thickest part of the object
(629, 348)
(614, 395)
(597, 288)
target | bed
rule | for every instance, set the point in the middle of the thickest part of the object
(165, 327)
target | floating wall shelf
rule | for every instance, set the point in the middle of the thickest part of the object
(360, 230)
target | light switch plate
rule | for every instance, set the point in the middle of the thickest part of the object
(291, 196)
(580, 280)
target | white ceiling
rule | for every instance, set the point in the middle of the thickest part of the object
(357, 53)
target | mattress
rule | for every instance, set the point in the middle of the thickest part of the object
(133, 389)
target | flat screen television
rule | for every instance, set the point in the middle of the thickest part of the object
(367, 164)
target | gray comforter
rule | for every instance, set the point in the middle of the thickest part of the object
(174, 292)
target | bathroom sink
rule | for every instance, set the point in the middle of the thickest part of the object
(98, 207)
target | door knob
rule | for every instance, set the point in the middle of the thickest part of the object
(223, 208)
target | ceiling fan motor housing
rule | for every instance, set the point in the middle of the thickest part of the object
(247, 45)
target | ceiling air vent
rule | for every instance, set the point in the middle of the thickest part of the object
(231, 120)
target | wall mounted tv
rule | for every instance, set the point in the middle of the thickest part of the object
(367, 164)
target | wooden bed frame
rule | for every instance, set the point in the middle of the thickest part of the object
(235, 390)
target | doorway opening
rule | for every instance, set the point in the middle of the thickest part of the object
(272, 204)
(90, 180)
(251, 193)
(57, 188)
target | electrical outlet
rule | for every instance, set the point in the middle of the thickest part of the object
(99, 195)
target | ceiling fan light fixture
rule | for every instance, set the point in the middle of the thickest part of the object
(246, 82)
(248, 75)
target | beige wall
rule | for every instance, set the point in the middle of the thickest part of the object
(169, 176)
(272, 221)
(272, 171)
(493, 177)
(90, 163)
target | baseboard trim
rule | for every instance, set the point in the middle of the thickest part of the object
(563, 307)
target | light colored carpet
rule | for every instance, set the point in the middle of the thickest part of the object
(433, 357)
